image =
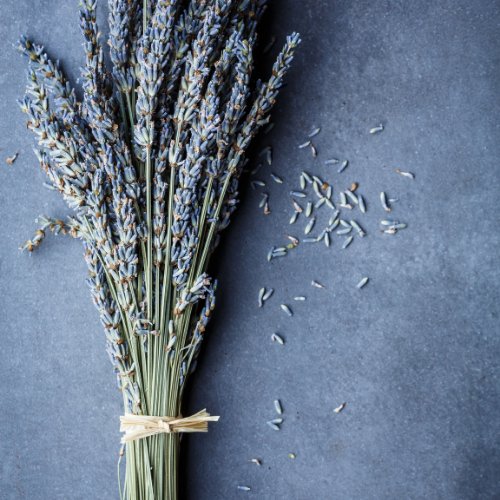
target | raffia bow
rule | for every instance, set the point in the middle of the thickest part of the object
(142, 426)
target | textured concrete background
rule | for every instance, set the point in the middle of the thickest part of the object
(414, 354)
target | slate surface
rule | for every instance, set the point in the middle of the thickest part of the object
(414, 354)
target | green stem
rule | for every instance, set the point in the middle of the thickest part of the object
(149, 223)
(154, 477)
(144, 16)
(166, 270)
(213, 226)
(130, 110)
(201, 229)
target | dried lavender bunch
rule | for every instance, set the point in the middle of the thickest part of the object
(149, 160)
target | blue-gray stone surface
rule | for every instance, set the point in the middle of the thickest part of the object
(414, 354)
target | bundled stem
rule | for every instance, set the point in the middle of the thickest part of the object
(150, 161)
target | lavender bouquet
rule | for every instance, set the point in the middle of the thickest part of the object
(149, 160)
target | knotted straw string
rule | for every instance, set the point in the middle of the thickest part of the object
(142, 426)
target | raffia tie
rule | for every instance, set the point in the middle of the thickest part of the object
(142, 426)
